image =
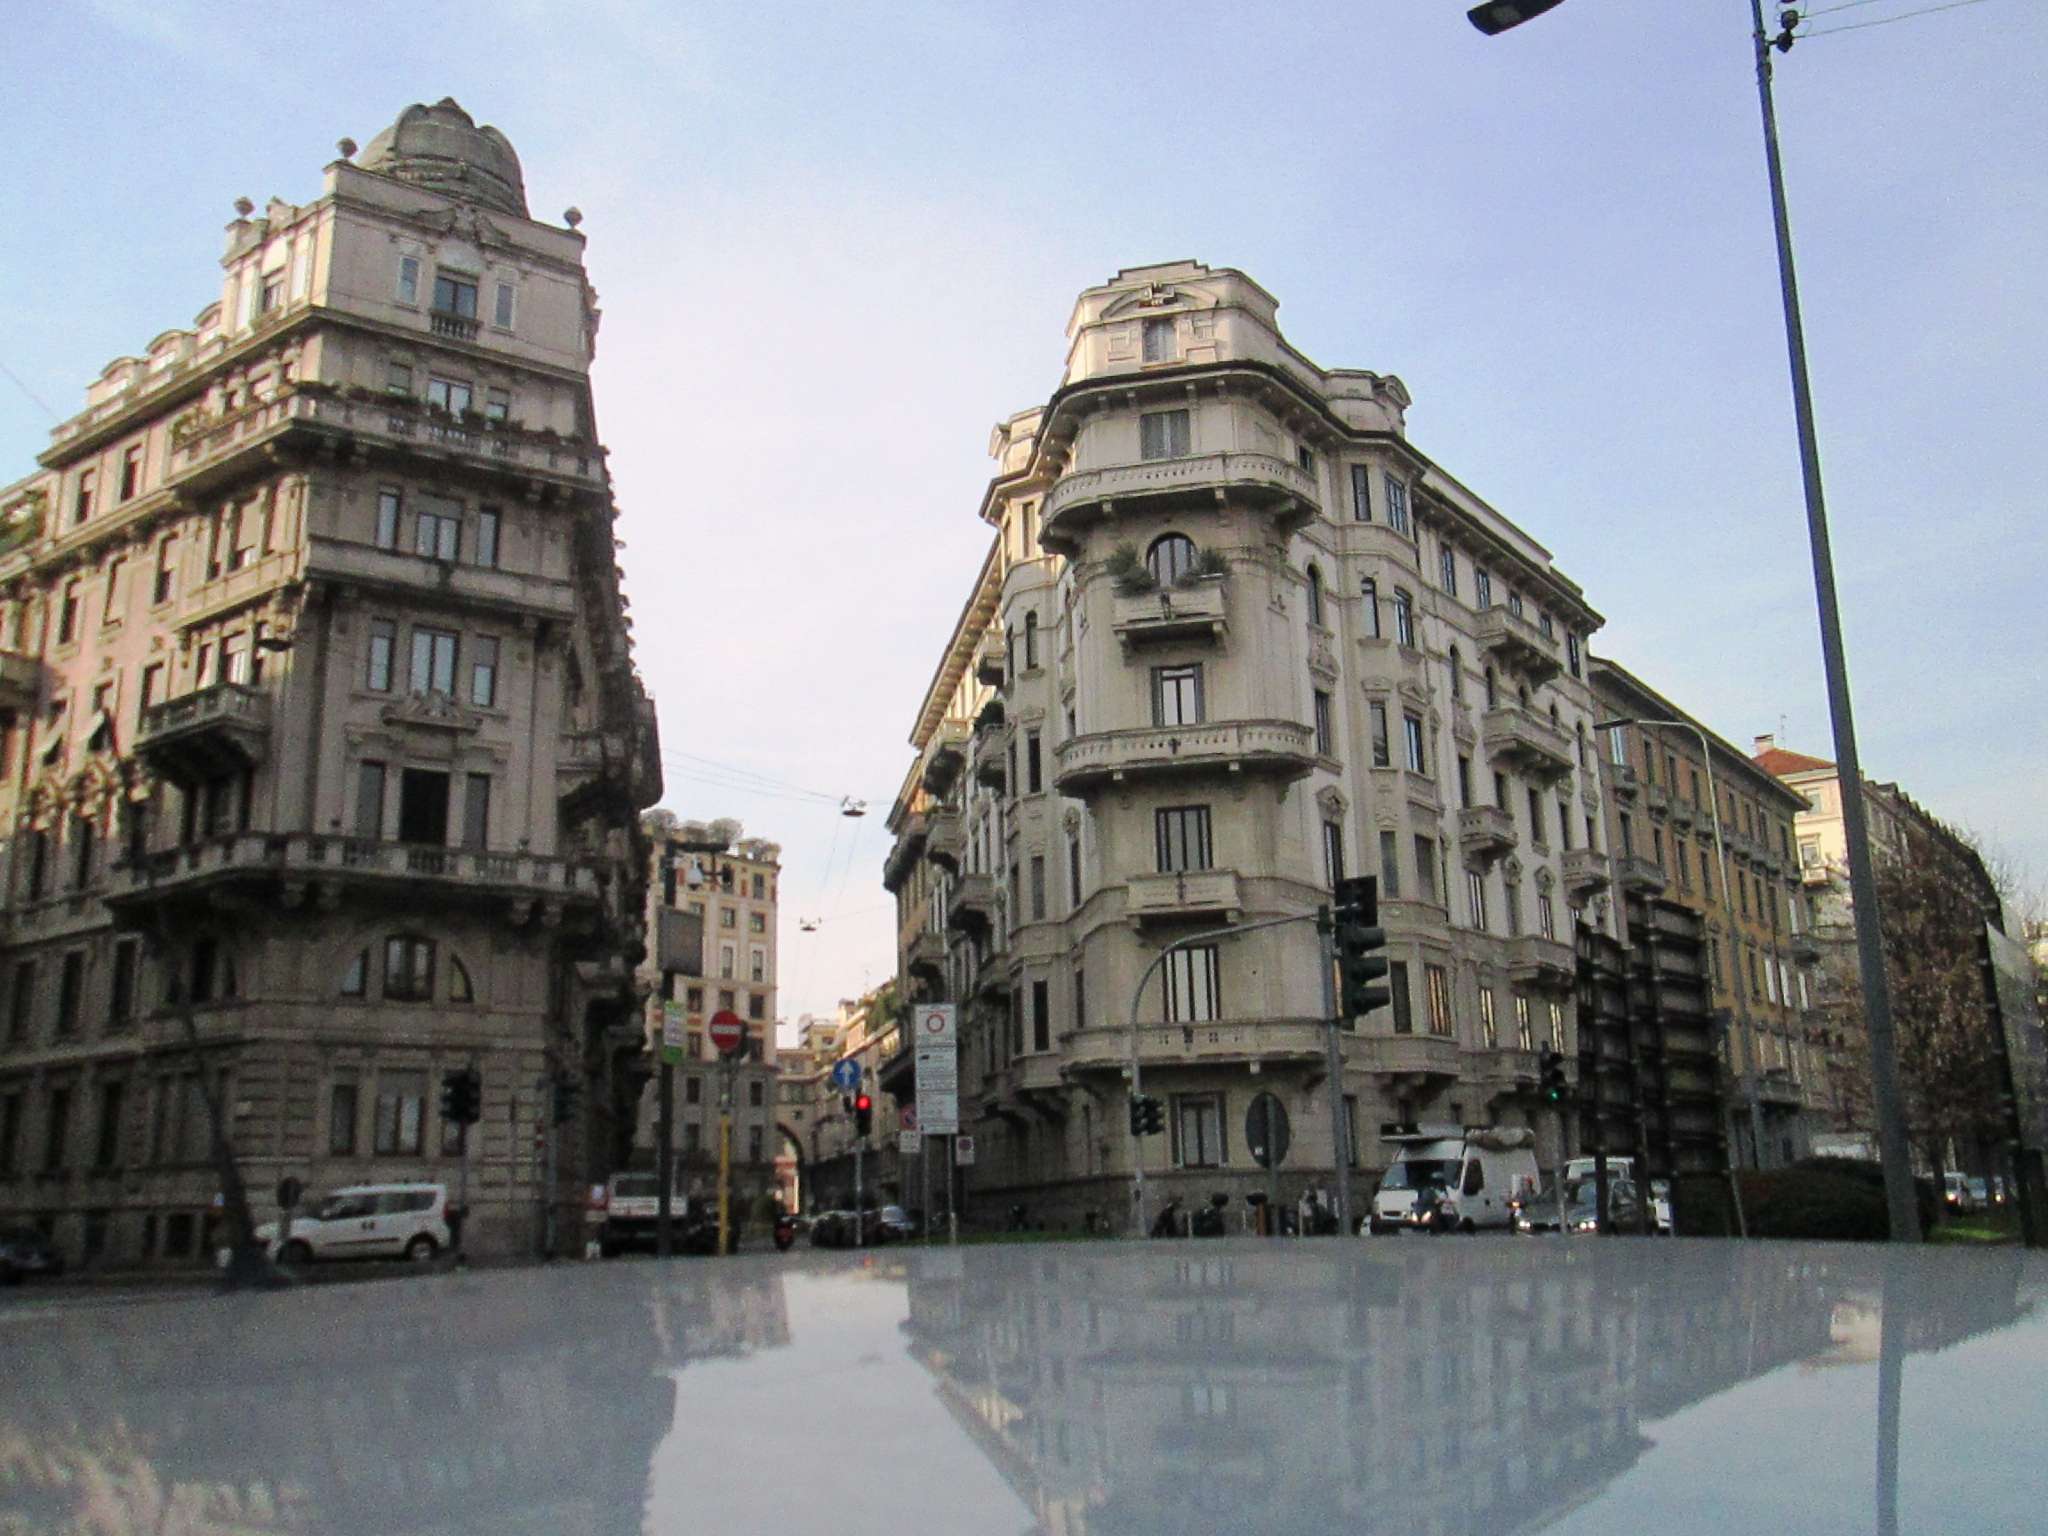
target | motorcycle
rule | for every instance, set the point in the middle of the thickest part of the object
(1167, 1223)
(785, 1232)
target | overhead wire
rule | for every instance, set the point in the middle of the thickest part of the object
(1885, 21)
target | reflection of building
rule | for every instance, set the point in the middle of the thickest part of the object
(1745, 889)
(535, 1407)
(1234, 637)
(319, 717)
(1461, 1388)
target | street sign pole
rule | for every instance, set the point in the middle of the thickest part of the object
(859, 1222)
(725, 1157)
(665, 1160)
(1333, 1067)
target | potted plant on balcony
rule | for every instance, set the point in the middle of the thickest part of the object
(1129, 574)
(1209, 566)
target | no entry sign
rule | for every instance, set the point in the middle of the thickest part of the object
(728, 1031)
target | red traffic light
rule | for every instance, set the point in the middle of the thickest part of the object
(862, 1104)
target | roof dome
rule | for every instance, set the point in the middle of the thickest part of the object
(441, 147)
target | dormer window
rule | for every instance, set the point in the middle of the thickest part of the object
(1159, 341)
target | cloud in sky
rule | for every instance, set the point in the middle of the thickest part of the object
(834, 245)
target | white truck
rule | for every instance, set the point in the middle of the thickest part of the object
(1451, 1178)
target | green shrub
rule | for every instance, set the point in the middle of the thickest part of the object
(1823, 1200)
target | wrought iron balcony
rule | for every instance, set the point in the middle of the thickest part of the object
(1517, 644)
(1283, 749)
(1528, 741)
(1185, 894)
(205, 734)
(1198, 611)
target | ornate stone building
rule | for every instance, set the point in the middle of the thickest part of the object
(323, 742)
(1234, 637)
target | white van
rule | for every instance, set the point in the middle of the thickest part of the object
(366, 1221)
(1618, 1167)
(1453, 1179)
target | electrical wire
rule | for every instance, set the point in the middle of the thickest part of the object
(1885, 21)
(738, 771)
(38, 399)
(1846, 5)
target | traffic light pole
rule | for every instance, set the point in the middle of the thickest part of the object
(665, 1160)
(1333, 1065)
(725, 1071)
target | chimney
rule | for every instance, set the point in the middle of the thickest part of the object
(1764, 744)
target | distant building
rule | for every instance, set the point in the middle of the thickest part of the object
(319, 720)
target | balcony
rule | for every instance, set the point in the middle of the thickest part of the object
(1803, 947)
(1639, 875)
(947, 756)
(1283, 749)
(446, 322)
(1204, 893)
(1682, 812)
(289, 869)
(1217, 1043)
(1198, 611)
(973, 906)
(1622, 780)
(1260, 479)
(1528, 741)
(204, 735)
(1585, 873)
(946, 837)
(991, 658)
(1540, 964)
(910, 846)
(1502, 1073)
(348, 563)
(1656, 799)
(1516, 644)
(925, 955)
(1411, 1060)
(18, 678)
(1486, 833)
(991, 759)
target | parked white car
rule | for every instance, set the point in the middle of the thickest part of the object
(366, 1221)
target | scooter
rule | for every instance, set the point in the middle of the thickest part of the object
(785, 1232)
(1167, 1222)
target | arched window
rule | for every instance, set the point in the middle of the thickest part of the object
(1457, 675)
(1315, 595)
(459, 989)
(355, 981)
(1171, 557)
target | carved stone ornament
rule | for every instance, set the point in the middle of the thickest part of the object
(431, 711)
(1512, 870)
(1330, 801)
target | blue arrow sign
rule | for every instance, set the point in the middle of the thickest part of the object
(846, 1074)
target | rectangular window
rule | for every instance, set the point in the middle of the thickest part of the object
(408, 279)
(455, 295)
(1382, 747)
(1397, 505)
(1425, 869)
(1397, 988)
(383, 653)
(1404, 618)
(1464, 781)
(1181, 838)
(1038, 887)
(483, 672)
(1074, 871)
(56, 1129)
(107, 1152)
(487, 523)
(1536, 832)
(369, 800)
(1411, 726)
(81, 506)
(1198, 1130)
(1447, 569)
(408, 969)
(1158, 342)
(131, 472)
(390, 502)
(1177, 695)
(70, 992)
(1573, 655)
(1437, 982)
(121, 986)
(476, 811)
(1080, 998)
(1525, 1037)
(1369, 608)
(728, 962)
(1163, 435)
(401, 1113)
(1193, 985)
(501, 313)
(398, 378)
(1546, 915)
(1361, 493)
(1556, 1026)
(497, 404)
(1390, 866)
(1324, 733)
(10, 1135)
(1489, 1031)
(438, 534)
(1482, 587)
(1034, 778)
(1333, 853)
(67, 615)
(433, 661)
(757, 964)
(1475, 898)
(166, 570)
(1041, 1016)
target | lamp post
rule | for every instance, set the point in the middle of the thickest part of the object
(1877, 1005)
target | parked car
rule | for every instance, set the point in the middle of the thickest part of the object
(1660, 1206)
(1980, 1194)
(1957, 1195)
(364, 1221)
(897, 1225)
(625, 1211)
(24, 1252)
(1582, 1206)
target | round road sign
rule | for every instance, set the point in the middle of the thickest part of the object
(1266, 1132)
(728, 1031)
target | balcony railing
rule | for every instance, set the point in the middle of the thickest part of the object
(910, 846)
(1527, 740)
(1198, 611)
(991, 658)
(1188, 893)
(1485, 832)
(926, 953)
(1621, 778)
(973, 905)
(1260, 478)
(1585, 872)
(1546, 965)
(947, 836)
(1215, 1042)
(1638, 874)
(1407, 1056)
(1281, 748)
(1516, 643)
(447, 323)
(206, 733)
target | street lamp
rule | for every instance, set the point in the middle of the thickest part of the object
(1877, 1003)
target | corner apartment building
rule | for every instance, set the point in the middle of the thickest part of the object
(1715, 835)
(735, 897)
(321, 725)
(1234, 637)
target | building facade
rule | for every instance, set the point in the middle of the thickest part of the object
(1715, 836)
(867, 1031)
(323, 744)
(735, 898)
(1235, 637)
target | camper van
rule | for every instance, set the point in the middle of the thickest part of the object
(1453, 1179)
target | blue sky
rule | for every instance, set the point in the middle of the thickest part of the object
(835, 244)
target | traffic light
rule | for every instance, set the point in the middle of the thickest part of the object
(565, 1098)
(1148, 1116)
(1355, 916)
(462, 1095)
(863, 1114)
(1550, 1067)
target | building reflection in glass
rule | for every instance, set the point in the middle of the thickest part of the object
(536, 1409)
(1444, 1388)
